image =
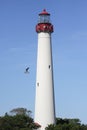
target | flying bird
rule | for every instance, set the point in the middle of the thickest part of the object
(26, 70)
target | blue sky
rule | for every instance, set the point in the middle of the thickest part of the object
(18, 49)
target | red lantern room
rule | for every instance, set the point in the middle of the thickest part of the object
(44, 24)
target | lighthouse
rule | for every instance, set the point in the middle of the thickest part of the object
(44, 99)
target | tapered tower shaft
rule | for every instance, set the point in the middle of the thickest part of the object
(44, 101)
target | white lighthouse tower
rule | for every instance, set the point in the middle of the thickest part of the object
(44, 101)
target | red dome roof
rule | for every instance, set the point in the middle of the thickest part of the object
(44, 12)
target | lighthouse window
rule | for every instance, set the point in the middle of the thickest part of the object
(37, 84)
(49, 66)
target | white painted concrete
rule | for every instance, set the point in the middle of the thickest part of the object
(44, 100)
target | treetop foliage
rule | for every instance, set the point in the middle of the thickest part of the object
(20, 111)
(20, 119)
(67, 124)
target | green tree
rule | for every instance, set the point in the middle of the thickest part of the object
(50, 127)
(17, 121)
(67, 124)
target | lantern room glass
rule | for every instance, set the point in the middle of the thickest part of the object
(44, 19)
